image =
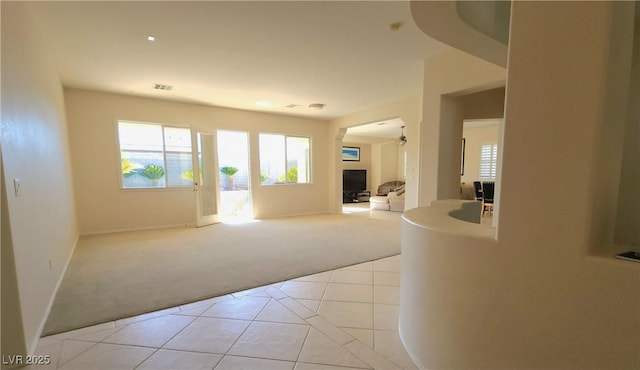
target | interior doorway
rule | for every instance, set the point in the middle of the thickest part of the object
(235, 181)
(381, 149)
(481, 148)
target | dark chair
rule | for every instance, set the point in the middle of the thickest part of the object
(477, 186)
(488, 189)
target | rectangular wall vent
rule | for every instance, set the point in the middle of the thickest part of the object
(162, 87)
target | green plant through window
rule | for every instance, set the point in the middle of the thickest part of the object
(292, 175)
(229, 171)
(154, 156)
(187, 175)
(129, 167)
(153, 172)
(284, 159)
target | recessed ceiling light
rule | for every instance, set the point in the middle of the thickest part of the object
(151, 38)
(263, 103)
(395, 26)
(162, 87)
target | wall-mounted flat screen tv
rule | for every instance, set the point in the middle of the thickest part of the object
(354, 180)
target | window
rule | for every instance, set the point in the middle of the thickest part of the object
(488, 161)
(284, 159)
(155, 156)
(405, 157)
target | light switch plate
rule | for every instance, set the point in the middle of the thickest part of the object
(16, 187)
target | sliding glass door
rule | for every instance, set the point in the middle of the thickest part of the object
(205, 179)
(234, 188)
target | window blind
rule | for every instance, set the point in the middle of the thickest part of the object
(488, 161)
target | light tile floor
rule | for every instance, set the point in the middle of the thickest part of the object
(341, 319)
(363, 210)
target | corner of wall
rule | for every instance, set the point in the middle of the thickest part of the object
(40, 224)
(12, 336)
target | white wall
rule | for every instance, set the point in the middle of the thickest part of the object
(11, 324)
(389, 162)
(486, 104)
(34, 150)
(103, 206)
(575, 66)
(547, 293)
(475, 138)
(447, 76)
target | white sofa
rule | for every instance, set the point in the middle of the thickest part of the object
(389, 200)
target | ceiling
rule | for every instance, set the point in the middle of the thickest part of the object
(376, 132)
(233, 54)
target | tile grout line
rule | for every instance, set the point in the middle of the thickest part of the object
(102, 341)
(148, 357)
(226, 353)
(342, 366)
(326, 287)
(306, 337)
(296, 301)
(201, 316)
(372, 350)
(248, 356)
(206, 307)
(196, 308)
(343, 346)
(167, 341)
(338, 344)
(51, 344)
(58, 364)
(333, 325)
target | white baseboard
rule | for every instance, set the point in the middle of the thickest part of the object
(137, 229)
(34, 344)
(297, 215)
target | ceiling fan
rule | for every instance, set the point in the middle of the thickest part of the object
(402, 139)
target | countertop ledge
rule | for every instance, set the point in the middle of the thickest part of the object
(437, 218)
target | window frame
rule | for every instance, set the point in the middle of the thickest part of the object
(492, 162)
(286, 183)
(164, 156)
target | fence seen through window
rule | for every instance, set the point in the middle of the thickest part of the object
(155, 156)
(284, 159)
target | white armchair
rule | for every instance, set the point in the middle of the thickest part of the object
(396, 200)
(392, 201)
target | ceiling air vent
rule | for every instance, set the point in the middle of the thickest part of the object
(162, 87)
(293, 105)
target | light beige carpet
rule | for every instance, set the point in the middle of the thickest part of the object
(119, 275)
